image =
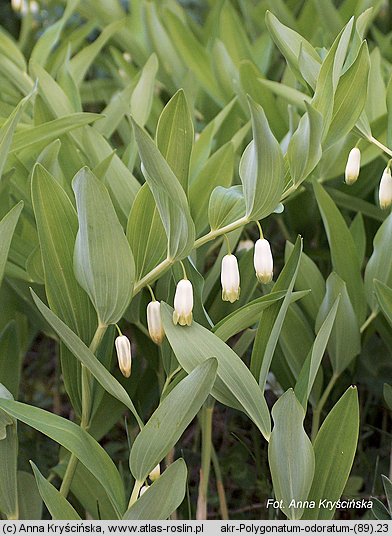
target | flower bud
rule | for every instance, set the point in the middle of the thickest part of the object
(385, 190)
(263, 261)
(154, 322)
(155, 473)
(230, 278)
(183, 303)
(353, 165)
(143, 489)
(123, 347)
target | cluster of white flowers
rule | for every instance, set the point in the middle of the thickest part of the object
(352, 172)
(183, 300)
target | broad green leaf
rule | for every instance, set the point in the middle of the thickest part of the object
(350, 97)
(29, 499)
(58, 506)
(226, 205)
(193, 54)
(10, 358)
(345, 339)
(49, 39)
(47, 132)
(76, 440)
(8, 460)
(7, 228)
(290, 44)
(103, 261)
(334, 449)
(170, 419)
(245, 316)
(80, 63)
(344, 256)
(169, 197)
(289, 94)
(387, 393)
(175, 136)
(272, 319)
(379, 511)
(304, 151)
(113, 113)
(358, 232)
(308, 277)
(388, 491)
(86, 357)
(379, 265)
(329, 75)
(290, 455)
(145, 233)
(261, 168)
(8, 129)
(87, 490)
(217, 172)
(312, 364)
(234, 385)
(384, 298)
(141, 100)
(163, 497)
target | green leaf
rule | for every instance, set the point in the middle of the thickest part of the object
(234, 385)
(29, 499)
(384, 298)
(304, 151)
(169, 197)
(388, 491)
(8, 460)
(272, 319)
(141, 100)
(163, 497)
(80, 63)
(308, 277)
(175, 136)
(10, 358)
(58, 506)
(51, 130)
(387, 393)
(49, 39)
(290, 455)
(8, 129)
(345, 260)
(261, 168)
(86, 357)
(345, 340)
(103, 261)
(76, 440)
(170, 419)
(217, 172)
(225, 206)
(312, 364)
(7, 228)
(379, 265)
(334, 449)
(290, 44)
(145, 233)
(350, 97)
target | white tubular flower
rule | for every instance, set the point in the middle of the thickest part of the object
(155, 473)
(353, 165)
(230, 279)
(143, 489)
(263, 261)
(154, 322)
(385, 190)
(183, 303)
(123, 347)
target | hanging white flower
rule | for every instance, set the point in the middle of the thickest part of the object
(263, 261)
(230, 278)
(154, 322)
(123, 347)
(385, 190)
(155, 473)
(353, 165)
(183, 303)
